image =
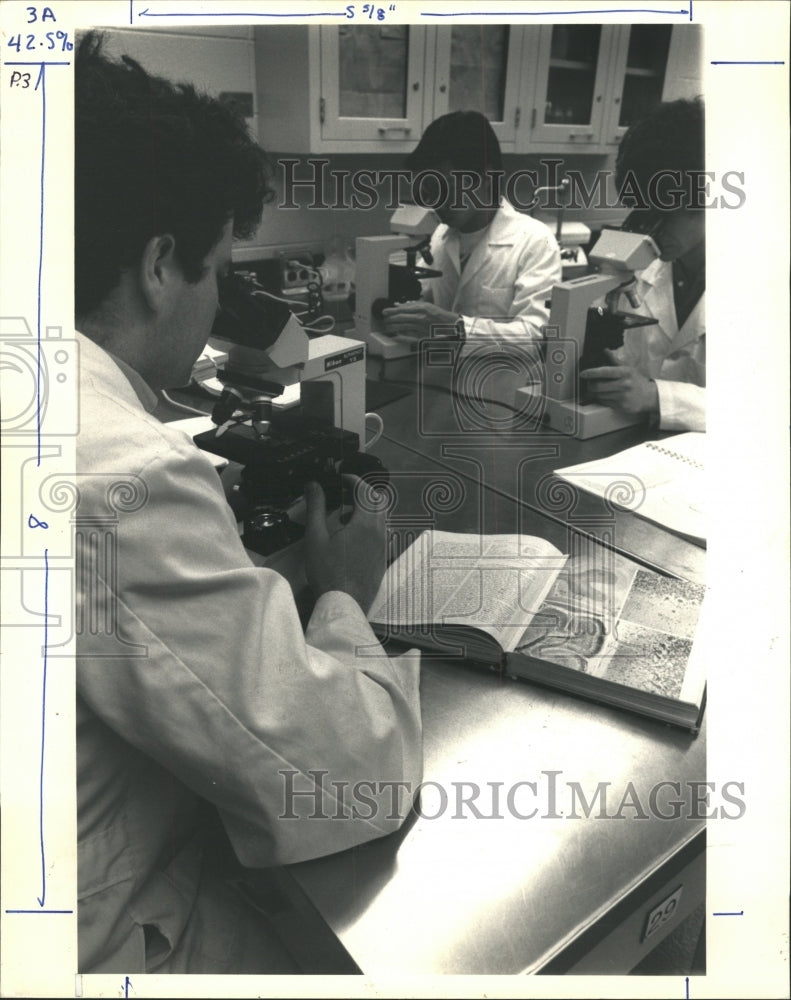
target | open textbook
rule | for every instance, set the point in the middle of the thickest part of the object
(663, 481)
(593, 625)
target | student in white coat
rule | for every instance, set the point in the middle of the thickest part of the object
(661, 368)
(205, 715)
(498, 265)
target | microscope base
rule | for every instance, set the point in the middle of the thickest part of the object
(389, 348)
(578, 420)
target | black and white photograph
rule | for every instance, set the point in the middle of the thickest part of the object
(393, 604)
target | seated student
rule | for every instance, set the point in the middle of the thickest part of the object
(661, 369)
(497, 264)
(197, 690)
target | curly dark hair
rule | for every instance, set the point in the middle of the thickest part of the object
(153, 157)
(669, 138)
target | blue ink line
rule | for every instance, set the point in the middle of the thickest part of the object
(725, 913)
(41, 80)
(38, 62)
(43, 895)
(549, 13)
(690, 10)
(319, 13)
(747, 62)
(686, 982)
(39, 911)
(127, 984)
(131, 11)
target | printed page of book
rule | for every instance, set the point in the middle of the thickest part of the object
(620, 622)
(663, 481)
(492, 582)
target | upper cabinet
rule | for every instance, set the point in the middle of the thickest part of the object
(372, 80)
(479, 66)
(340, 89)
(568, 96)
(639, 68)
(545, 88)
(592, 81)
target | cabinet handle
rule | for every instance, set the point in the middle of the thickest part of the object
(416, 85)
(581, 135)
(442, 88)
(617, 100)
(383, 129)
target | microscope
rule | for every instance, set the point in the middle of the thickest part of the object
(380, 283)
(579, 332)
(319, 438)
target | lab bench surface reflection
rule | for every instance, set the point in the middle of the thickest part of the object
(499, 870)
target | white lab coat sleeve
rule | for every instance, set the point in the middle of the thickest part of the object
(682, 406)
(297, 741)
(525, 316)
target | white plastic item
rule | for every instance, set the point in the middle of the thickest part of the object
(377, 425)
(337, 272)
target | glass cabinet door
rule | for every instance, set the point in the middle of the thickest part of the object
(478, 69)
(639, 76)
(571, 61)
(372, 82)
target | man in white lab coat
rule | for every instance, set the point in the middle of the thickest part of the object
(199, 697)
(661, 369)
(498, 265)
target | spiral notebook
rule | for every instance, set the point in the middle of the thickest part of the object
(663, 481)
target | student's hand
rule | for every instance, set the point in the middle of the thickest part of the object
(415, 319)
(349, 557)
(622, 387)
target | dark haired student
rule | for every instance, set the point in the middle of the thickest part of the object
(200, 700)
(498, 265)
(661, 369)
